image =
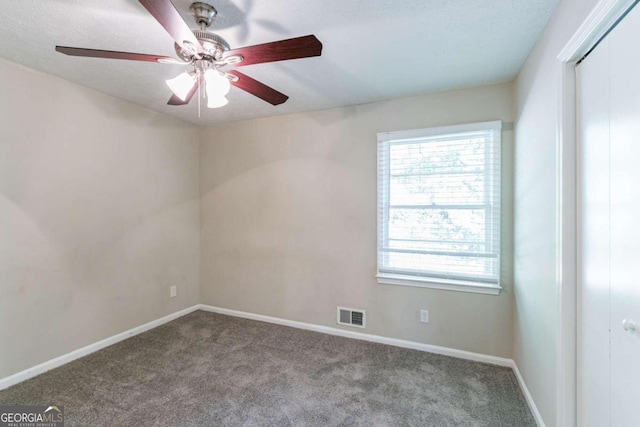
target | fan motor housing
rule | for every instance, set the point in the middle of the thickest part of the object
(213, 45)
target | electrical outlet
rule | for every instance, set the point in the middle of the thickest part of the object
(424, 316)
(173, 291)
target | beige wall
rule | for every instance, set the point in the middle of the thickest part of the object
(536, 300)
(288, 217)
(99, 215)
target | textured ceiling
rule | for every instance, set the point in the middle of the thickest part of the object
(373, 49)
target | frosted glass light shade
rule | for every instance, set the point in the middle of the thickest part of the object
(217, 84)
(182, 84)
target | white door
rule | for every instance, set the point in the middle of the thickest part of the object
(593, 239)
(609, 230)
(625, 221)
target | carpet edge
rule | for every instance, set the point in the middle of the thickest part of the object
(88, 349)
(527, 395)
(429, 348)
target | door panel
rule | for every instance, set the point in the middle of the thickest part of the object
(593, 239)
(625, 220)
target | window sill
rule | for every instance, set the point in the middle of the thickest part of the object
(448, 285)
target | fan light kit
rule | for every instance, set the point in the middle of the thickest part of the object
(207, 54)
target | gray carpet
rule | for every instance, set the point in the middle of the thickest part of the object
(206, 369)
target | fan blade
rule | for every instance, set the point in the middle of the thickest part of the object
(95, 53)
(166, 14)
(258, 89)
(299, 47)
(177, 101)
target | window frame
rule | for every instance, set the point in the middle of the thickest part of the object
(422, 278)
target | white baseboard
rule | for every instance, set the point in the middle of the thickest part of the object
(81, 352)
(461, 354)
(527, 395)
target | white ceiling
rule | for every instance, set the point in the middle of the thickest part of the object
(373, 49)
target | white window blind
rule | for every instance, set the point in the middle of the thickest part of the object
(439, 207)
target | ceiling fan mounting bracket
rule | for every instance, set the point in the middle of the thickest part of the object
(203, 13)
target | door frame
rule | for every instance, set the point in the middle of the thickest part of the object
(604, 16)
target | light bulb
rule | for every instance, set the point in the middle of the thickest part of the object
(216, 101)
(218, 85)
(182, 84)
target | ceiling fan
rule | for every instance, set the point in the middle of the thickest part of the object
(207, 54)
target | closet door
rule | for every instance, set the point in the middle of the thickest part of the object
(593, 239)
(625, 221)
(609, 230)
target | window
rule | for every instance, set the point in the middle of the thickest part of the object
(439, 207)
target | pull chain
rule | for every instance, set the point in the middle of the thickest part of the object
(199, 92)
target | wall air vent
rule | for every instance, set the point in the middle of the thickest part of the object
(351, 317)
